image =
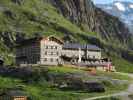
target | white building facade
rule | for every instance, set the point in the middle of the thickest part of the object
(49, 51)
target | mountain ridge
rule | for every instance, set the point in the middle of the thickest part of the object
(87, 17)
(121, 9)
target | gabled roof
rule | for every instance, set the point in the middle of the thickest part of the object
(37, 39)
(55, 39)
(28, 41)
(16, 93)
(77, 46)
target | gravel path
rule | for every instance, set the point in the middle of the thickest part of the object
(123, 93)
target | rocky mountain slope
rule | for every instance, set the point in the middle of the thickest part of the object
(89, 18)
(75, 20)
(121, 9)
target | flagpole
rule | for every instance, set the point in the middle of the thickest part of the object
(79, 60)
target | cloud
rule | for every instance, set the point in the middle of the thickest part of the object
(108, 1)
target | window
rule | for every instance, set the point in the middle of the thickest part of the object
(55, 47)
(52, 53)
(51, 59)
(52, 47)
(57, 60)
(45, 59)
(20, 98)
(57, 53)
(49, 47)
(46, 53)
(46, 47)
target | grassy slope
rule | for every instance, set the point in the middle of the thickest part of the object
(43, 90)
(34, 16)
(123, 65)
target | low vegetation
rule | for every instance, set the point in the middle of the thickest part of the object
(111, 98)
(62, 69)
(66, 69)
(113, 75)
(42, 89)
(123, 65)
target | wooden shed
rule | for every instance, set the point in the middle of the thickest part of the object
(13, 95)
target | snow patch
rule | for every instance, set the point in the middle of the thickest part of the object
(108, 8)
(131, 6)
(120, 6)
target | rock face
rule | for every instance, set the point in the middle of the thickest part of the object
(89, 18)
(124, 14)
(81, 12)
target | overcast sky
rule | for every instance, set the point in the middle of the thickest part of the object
(108, 1)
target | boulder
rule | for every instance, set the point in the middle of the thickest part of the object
(76, 83)
(94, 87)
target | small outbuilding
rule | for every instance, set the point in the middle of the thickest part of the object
(13, 95)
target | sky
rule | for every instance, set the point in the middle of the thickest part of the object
(107, 1)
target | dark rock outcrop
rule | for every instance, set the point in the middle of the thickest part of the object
(71, 81)
(18, 1)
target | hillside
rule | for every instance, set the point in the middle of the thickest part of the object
(74, 20)
(42, 83)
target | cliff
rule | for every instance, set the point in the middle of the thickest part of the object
(89, 18)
